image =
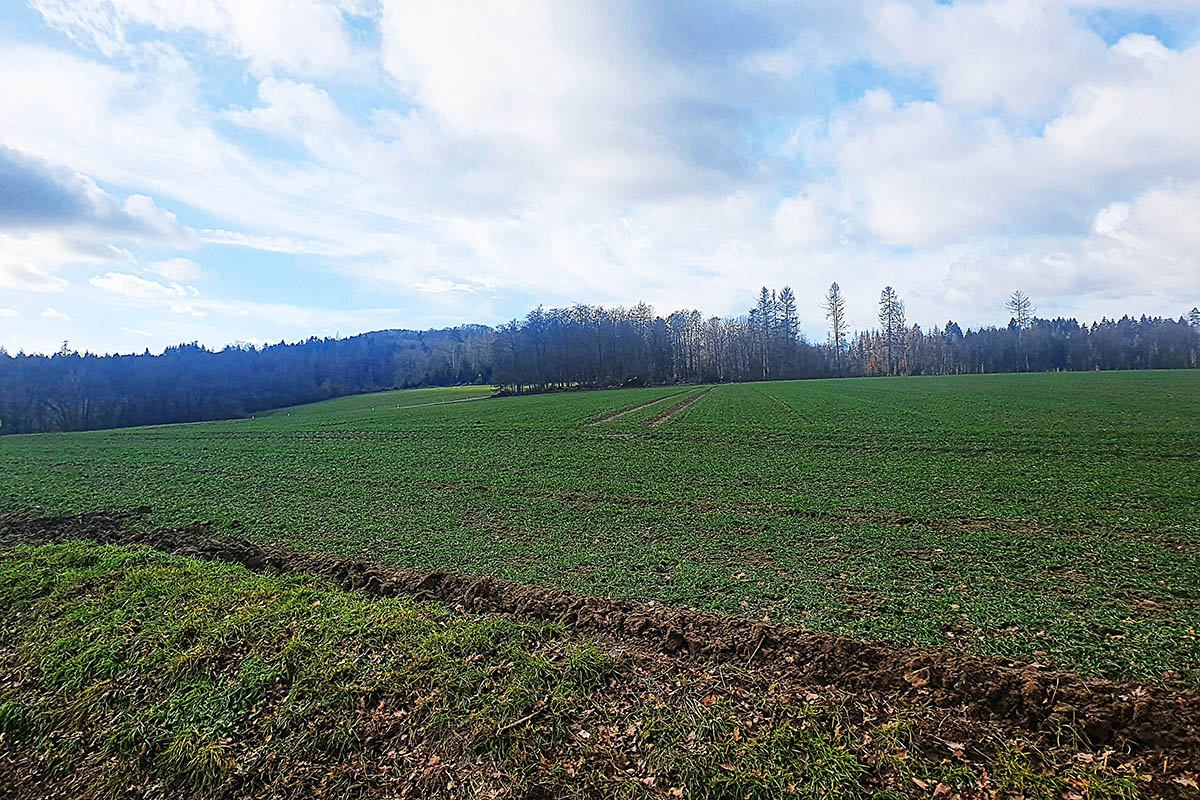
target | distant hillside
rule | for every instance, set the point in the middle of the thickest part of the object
(550, 349)
(71, 391)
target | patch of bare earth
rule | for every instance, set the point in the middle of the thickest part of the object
(627, 411)
(674, 411)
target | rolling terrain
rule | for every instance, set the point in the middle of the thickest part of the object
(1001, 545)
(1045, 517)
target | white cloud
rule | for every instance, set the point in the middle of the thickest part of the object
(16, 274)
(299, 112)
(137, 332)
(542, 90)
(1022, 55)
(9, 313)
(136, 288)
(35, 194)
(441, 286)
(52, 313)
(177, 269)
(30, 262)
(803, 221)
(300, 36)
(924, 174)
(601, 153)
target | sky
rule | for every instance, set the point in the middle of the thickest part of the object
(262, 170)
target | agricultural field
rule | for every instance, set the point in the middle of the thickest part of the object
(133, 673)
(970, 587)
(1050, 518)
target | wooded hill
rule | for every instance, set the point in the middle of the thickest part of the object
(580, 346)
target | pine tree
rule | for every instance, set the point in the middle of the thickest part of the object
(787, 324)
(891, 317)
(766, 329)
(1194, 322)
(835, 312)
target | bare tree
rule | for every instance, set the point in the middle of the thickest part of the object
(891, 317)
(835, 312)
(1022, 309)
(1022, 315)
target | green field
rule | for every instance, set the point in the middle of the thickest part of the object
(132, 673)
(1051, 518)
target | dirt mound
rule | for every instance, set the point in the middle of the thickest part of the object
(1135, 719)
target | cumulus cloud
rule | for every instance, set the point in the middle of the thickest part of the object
(441, 286)
(178, 269)
(52, 218)
(53, 313)
(8, 313)
(137, 288)
(35, 194)
(460, 159)
(1021, 55)
(18, 274)
(301, 36)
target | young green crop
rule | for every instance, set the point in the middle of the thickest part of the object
(1051, 517)
(129, 668)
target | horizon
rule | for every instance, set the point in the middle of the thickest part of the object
(174, 175)
(338, 336)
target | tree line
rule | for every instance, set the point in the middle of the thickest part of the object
(70, 391)
(593, 346)
(563, 348)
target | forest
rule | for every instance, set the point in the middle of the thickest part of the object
(563, 348)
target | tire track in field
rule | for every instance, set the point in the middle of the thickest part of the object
(675, 410)
(448, 402)
(619, 414)
(785, 404)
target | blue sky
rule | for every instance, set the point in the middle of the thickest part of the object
(257, 170)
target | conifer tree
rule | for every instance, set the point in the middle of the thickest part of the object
(835, 312)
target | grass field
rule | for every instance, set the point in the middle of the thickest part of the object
(131, 673)
(1051, 518)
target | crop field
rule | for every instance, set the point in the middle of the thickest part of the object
(1050, 518)
(129, 672)
(968, 587)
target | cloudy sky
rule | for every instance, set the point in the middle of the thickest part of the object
(256, 170)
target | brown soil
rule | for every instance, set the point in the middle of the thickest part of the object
(1140, 721)
(619, 414)
(675, 410)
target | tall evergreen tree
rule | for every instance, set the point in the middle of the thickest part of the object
(835, 312)
(891, 317)
(787, 324)
(766, 329)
